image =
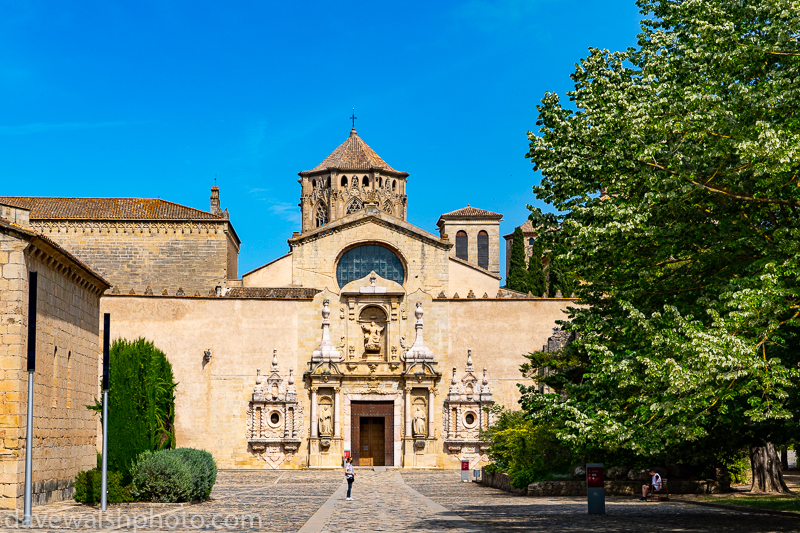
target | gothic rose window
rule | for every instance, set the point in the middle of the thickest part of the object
(355, 205)
(358, 262)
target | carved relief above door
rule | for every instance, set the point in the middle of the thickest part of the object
(373, 322)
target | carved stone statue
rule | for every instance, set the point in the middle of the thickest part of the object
(326, 422)
(372, 337)
(419, 425)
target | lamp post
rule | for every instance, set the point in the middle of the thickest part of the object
(104, 476)
(33, 285)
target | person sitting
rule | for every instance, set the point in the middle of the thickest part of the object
(655, 484)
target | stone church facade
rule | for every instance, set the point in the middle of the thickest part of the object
(371, 337)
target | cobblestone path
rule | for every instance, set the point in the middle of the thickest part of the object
(389, 501)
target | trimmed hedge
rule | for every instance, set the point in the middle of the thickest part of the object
(88, 486)
(169, 476)
(203, 469)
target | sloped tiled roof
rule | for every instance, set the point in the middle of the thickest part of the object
(527, 229)
(106, 208)
(470, 211)
(353, 154)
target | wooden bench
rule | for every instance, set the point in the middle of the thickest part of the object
(662, 494)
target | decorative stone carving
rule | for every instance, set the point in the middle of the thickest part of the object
(326, 351)
(419, 424)
(372, 337)
(325, 422)
(419, 352)
(464, 415)
(274, 416)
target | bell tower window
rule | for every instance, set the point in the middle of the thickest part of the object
(461, 246)
(483, 249)
(355, 205)
(321, 215)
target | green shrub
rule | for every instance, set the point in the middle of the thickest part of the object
(141, 403)
(163, 476)
(203, 469)
(526, 451)
(88, 486)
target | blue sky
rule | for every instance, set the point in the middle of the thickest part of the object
(156, 98)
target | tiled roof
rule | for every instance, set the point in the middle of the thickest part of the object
(289, 293)
(527, 229)
(353, 154)
(471, 212)
(106, 208)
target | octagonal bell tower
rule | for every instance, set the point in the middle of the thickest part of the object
(347, 180)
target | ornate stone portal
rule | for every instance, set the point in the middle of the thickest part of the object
(274, 417)
(464, 416)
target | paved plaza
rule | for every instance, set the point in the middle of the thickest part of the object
(387, 501)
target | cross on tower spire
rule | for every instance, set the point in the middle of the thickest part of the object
(353, 117)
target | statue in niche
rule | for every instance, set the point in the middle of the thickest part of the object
(419, 425)
(372, 337)
(326, 422)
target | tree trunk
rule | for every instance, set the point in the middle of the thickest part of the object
(784, 458)
(766, 467)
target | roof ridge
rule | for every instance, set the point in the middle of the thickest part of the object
(120, 208)
(353, 154)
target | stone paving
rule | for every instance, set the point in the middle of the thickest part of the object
(389, 501)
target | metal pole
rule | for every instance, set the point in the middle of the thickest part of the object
(33, 286)
(26, 517)
(104, 478)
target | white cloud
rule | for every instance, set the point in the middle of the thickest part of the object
(286, 211)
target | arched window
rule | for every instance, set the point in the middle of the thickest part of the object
(358, 262)
(483, 249)
(394, 185)
(380, 181)
(387, 207)
(461, 246)
(344, 181)
(530, 241)
(355, 205)
(328, 182)
(321, 215)
(365, 182)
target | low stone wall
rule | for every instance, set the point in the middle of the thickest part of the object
(613, 488)
(500, 481)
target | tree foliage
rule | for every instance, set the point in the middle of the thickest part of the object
(517, 273)
(676, 180)
(537, 280)
(141, 403)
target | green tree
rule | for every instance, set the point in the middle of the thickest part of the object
(517, 274)
(675, 178)
(141, 403)
(559, 280)
(537, 281)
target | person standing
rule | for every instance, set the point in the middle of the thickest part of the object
(350, 475)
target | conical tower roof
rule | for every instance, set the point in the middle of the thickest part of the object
(353, 154)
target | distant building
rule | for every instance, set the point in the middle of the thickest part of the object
(530, 236)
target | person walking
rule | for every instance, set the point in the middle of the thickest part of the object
(350, 475)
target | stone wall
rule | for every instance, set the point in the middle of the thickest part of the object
(66, 377)
(472, 228)
(241, 333)
(194, 256)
